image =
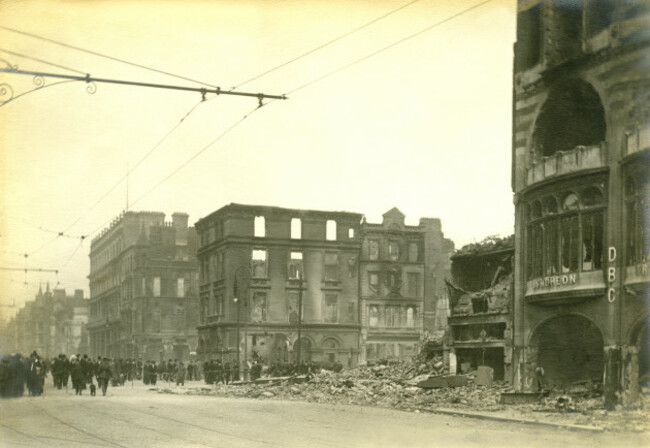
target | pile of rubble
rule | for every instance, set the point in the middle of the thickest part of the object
(403, 386)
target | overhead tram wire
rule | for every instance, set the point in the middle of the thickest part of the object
(394, 44)
(320, 47)
(14, 53)
(182, 119)
(71, 256)
(138, 163)
(95, 53)
(184, 164)
(452, 17)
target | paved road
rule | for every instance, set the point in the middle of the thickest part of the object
(136, 417)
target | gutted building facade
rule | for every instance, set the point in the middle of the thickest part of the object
(581, 158)
(144, 288)
(480, 296)
(400, 279)
(270, 274)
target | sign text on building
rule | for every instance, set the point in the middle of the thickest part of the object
(555, 280)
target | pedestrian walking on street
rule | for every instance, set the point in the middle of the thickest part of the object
(180, 374)
(78, 377)
(104, 374)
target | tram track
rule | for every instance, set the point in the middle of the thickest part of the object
(77, 428)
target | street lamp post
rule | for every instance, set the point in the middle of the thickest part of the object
(298, 355)
(236, 300)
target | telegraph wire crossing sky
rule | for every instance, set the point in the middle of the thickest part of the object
(392, 103)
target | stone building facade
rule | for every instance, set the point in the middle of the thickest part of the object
(271, 259)
(144, 288)
(401, 274)
(581, 158)
(52, 324)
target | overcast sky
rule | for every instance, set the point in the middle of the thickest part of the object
(424, 126)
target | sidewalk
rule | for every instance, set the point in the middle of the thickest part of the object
(505, 416)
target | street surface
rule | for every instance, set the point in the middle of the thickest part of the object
(136, 417)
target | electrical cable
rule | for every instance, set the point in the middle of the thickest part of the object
(320, 47)
(138, 163)
(71, 256)
(180, 167)
(34, 252)
(95, 53)
(394, 44)
(41, 61)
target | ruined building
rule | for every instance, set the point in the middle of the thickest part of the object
(366, 289)
(258, 266)
(401, 285)
(52, 324)
(581, 158)
(143, 288)
(480, 296)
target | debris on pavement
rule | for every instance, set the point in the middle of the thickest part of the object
(403, 386)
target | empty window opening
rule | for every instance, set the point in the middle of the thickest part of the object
(258, 307)
(331, 267)
(259, 263)
(373, 316)
(295, 266)
(296, 228)
(260, 227)
(330, 234)
(572, 116)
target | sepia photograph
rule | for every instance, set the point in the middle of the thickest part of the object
(324, 223)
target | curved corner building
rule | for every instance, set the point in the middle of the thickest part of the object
(580, 176)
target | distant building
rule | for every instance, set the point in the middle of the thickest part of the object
(52, 324)
(270, 259)
(480, 296)
(143, 288)
(581, 158)
(401, 272)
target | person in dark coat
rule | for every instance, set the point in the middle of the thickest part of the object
(153, 373)
(104, 374)
(180, 374)
(78, 377)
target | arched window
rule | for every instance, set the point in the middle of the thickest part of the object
(592, 196)
(570, 202)
(573, 115)
(569, 240)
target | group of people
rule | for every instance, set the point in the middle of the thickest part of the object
(82, 370)
(16, 372)
(172, 370)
